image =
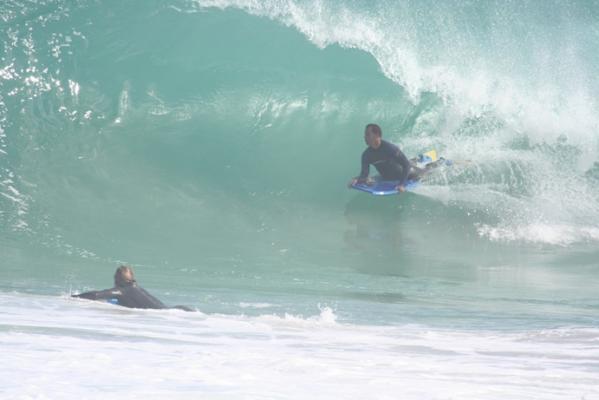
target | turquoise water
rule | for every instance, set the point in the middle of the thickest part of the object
(208, 145)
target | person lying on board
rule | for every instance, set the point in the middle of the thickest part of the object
(387, 158)
(127, 293)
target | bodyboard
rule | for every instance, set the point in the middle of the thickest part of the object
(384, 188)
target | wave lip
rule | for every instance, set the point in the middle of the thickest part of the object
(475, 58)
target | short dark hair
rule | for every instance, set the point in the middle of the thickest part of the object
(123, 276)
(374, 128)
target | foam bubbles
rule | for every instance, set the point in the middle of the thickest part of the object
(171, 354)
(559, 235)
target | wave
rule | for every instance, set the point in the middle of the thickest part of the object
(516, 84)
(504, 89)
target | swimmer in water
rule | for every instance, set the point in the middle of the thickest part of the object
(127, 293)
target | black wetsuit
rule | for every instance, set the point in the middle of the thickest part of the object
(391, 163)
(129, 295)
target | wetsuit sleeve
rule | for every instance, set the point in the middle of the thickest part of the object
(365, 167)
(100, 294)
(405, 166)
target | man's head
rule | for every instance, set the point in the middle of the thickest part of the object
(123, 276)
(373, 135)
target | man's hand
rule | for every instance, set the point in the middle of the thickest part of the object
(368, 181)
(400, 188)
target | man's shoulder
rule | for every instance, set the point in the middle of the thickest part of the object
(130, 288)
(389, 145)
(116, 291)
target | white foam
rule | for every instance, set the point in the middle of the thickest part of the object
(560, 235)
(62, 348)
(255, 305)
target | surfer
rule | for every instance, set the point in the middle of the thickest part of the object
(387, 158)
(127, 293)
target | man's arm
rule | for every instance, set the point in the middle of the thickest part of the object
(364, 172)
(405, 166)
(99, 294)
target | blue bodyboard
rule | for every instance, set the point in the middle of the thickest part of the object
(384, 188)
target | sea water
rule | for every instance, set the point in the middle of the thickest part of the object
(208, 145)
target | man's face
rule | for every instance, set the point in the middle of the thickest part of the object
(372, 140)
(128, 276)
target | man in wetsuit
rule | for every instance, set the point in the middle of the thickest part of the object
(127, 293)
(386, 157)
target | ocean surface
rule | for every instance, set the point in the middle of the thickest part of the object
(208, 144)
